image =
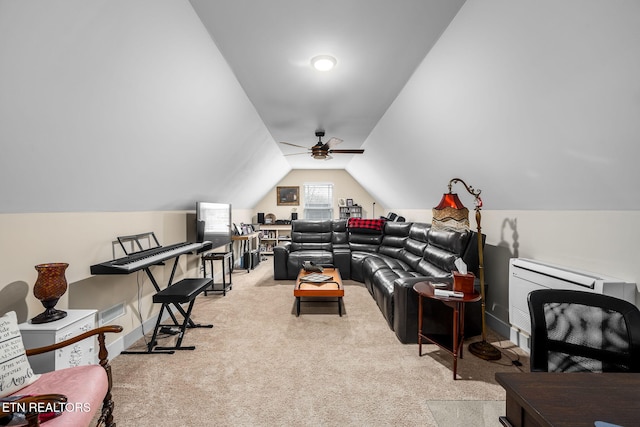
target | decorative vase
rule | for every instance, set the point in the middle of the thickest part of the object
(49, 287)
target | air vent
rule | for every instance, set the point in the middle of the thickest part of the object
(110, 314)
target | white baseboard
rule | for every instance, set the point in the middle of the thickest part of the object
(520, 339)
(515, 335)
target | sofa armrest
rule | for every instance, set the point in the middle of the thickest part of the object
(280, 258)
(342, 260)
(405, 308)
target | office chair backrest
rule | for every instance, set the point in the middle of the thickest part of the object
(574, 331)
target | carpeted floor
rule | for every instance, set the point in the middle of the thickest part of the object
(261, 365)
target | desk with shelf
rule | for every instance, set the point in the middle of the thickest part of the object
(271, 235)
(247, 247)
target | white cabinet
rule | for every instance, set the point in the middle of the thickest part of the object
(44, 334)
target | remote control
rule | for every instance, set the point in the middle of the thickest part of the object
(445, 293)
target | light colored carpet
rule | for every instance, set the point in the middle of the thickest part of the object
(261, 365)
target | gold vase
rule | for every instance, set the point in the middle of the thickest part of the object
(49, 287)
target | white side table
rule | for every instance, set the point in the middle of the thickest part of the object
(43, 334)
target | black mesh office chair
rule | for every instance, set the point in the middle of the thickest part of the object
(574, 331)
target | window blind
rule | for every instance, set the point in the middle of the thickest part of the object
(318, 200)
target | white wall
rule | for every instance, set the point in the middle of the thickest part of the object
(123, 105)
(82, 239)
(534, 102)
(345, 187)
(604, 242)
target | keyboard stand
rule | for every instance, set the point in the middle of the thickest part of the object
(182, 292)
(187, 323)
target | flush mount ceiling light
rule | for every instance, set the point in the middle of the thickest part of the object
(323, 62)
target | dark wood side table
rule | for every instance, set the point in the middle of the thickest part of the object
(538, 399)
(453, 345)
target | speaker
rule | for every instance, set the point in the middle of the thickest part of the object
(260, 217)
(294, 216)
(250, 260)
(199, 231)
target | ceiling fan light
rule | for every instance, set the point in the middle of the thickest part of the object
(323, 62)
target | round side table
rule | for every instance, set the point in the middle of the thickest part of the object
(454, 346)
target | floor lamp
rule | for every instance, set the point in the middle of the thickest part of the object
(451, 213)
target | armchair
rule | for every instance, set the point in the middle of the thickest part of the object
(79, 390)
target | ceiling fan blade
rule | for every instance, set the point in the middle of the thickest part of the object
(332, 142)
(293, 145)
(295, 154)
(355, 151)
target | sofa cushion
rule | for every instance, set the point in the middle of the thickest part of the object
(375, 262)
(451, 240)
(382, 281)
(339, 237)
(297, 259)
(311, 226)
(415, 245)
(357, 262)
(85, 388)
(359, 242)
(395, 235)
(311, 235)
(15, 370)
(444, 247)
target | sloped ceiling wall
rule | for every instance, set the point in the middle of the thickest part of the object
(123, 106)
(129, 106)
(537, 103)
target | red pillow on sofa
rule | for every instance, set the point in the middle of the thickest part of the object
(366, 225)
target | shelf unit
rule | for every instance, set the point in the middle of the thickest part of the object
(347, 212)
(271, 235)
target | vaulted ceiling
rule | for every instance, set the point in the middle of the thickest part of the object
(154, 104)
(377, 44)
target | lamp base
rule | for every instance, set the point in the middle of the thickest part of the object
(484, 350)
(49, 315)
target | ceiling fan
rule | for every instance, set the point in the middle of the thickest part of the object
(323, 150)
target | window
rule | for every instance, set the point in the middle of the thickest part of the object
(318, 200)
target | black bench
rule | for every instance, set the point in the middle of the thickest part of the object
(184, 291)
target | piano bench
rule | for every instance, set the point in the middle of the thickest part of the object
(183, 291)
(186, 290)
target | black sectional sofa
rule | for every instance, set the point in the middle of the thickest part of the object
(389, 258)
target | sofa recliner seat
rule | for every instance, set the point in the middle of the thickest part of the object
(389, 262)
(321, 242)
